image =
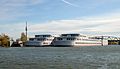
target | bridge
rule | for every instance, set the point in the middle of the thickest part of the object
(111, 39)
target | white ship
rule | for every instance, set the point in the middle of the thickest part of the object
(77, 40)
(40, 40)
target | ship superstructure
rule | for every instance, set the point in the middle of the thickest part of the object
(40, 40)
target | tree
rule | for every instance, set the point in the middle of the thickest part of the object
(23, 37)
(4, 40)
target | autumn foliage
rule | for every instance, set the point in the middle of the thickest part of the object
(4, 40)
(23, 37)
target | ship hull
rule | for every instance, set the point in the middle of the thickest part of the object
(73, 44)
(76, 45)
(37, 44)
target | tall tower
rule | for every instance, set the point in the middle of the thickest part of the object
(26, 30)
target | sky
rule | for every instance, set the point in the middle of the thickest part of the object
(89, 17)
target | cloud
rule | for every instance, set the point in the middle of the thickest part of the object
(88, 25)
(65, 1)
(13, 30)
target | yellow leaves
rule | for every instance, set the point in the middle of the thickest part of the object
(23, 37)
(4, 40)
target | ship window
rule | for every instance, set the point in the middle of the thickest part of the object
(78, 39)
(70, 38)
(42, 35)
(39, 39)
(74, 34)
(48, 39)
(31, 39)
(46, 35)
(37, 35)
(45, 43)
(44, 39)
(85, 39)
(59, 38)
(64, 34)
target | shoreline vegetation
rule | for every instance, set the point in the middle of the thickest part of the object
(6, 41)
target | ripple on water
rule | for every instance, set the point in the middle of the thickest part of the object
(98, 57)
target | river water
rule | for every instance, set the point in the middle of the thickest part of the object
(97, 57)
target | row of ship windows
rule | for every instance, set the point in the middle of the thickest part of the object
(41, 39)
(43, 36)
(76, 39)
(61, 39)
(72, 35)
(85, 43)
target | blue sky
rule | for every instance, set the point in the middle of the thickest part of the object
(90, 17)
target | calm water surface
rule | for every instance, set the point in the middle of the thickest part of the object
(98, 57)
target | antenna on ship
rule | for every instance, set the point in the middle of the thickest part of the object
(26, 30)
